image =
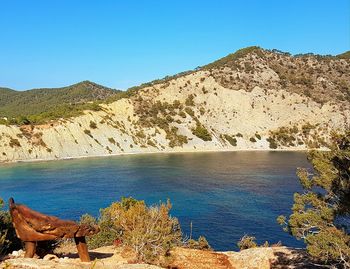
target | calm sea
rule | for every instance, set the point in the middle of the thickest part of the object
(224, 195)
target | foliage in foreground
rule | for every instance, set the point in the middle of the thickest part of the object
(247, 242)
(8, 239)
(150, 231)
(201, 244)
(321, 214)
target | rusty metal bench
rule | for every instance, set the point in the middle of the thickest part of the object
(32, 226)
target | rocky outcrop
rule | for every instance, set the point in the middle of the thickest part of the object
(180, 258)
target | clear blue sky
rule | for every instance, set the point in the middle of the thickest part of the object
(52, 43)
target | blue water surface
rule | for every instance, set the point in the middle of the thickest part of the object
(225, 195)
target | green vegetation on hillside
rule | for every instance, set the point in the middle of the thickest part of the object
(42, 105)
(201, 132)
(298, 73)
(345, 55)
(229, 59)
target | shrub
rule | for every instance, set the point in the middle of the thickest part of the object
(169, 119)
(21, 120)
(149, 231)
(107, 234)
(258, 136)
(151, 143)
(140, 134)
(201, 132)
(272, 143)
(189, 101)
(231, 140)
(252, 139)
(111, 140)
(93, 125)
(247, 242)
(201, 244)
(88, 132)
(189, 111)
(14, 142)
(182, 114)
(176, 104)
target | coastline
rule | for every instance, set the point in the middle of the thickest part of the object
(155, 152)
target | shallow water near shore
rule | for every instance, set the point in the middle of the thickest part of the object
(225, 195)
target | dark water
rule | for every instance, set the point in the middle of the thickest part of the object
(225, 195)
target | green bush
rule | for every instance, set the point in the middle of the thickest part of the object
(233, 57)
(201, 244)
(247, 242)
(272, 143)
(182, 114)
(111, 140)
(150, 231)
(107, 234)
(189, 100)
(189, 111)
(140, 134)
(201, 132)
(231, 140)
(93, 125)
(252, 139)
(88, 132)
(14, 142)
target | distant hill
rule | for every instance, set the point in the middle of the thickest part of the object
(345, 55)
(36, 102)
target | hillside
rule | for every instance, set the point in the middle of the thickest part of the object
(32, 103)
(252, 99)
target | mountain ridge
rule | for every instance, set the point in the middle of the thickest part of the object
(261, 100)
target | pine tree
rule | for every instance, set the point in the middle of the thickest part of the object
(321, 214)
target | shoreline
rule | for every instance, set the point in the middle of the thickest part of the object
(154, 152)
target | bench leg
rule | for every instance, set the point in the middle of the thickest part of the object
(30, 249)
(82, 249)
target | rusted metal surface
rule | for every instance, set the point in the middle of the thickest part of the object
(32, 226)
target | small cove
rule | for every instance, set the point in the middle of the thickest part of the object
(225, 194)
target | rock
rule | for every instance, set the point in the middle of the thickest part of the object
(184, 258)
(270, 258)
(50, 257)
(17, 253)
(254, 258)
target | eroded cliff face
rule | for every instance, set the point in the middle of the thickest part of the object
(190, 113)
